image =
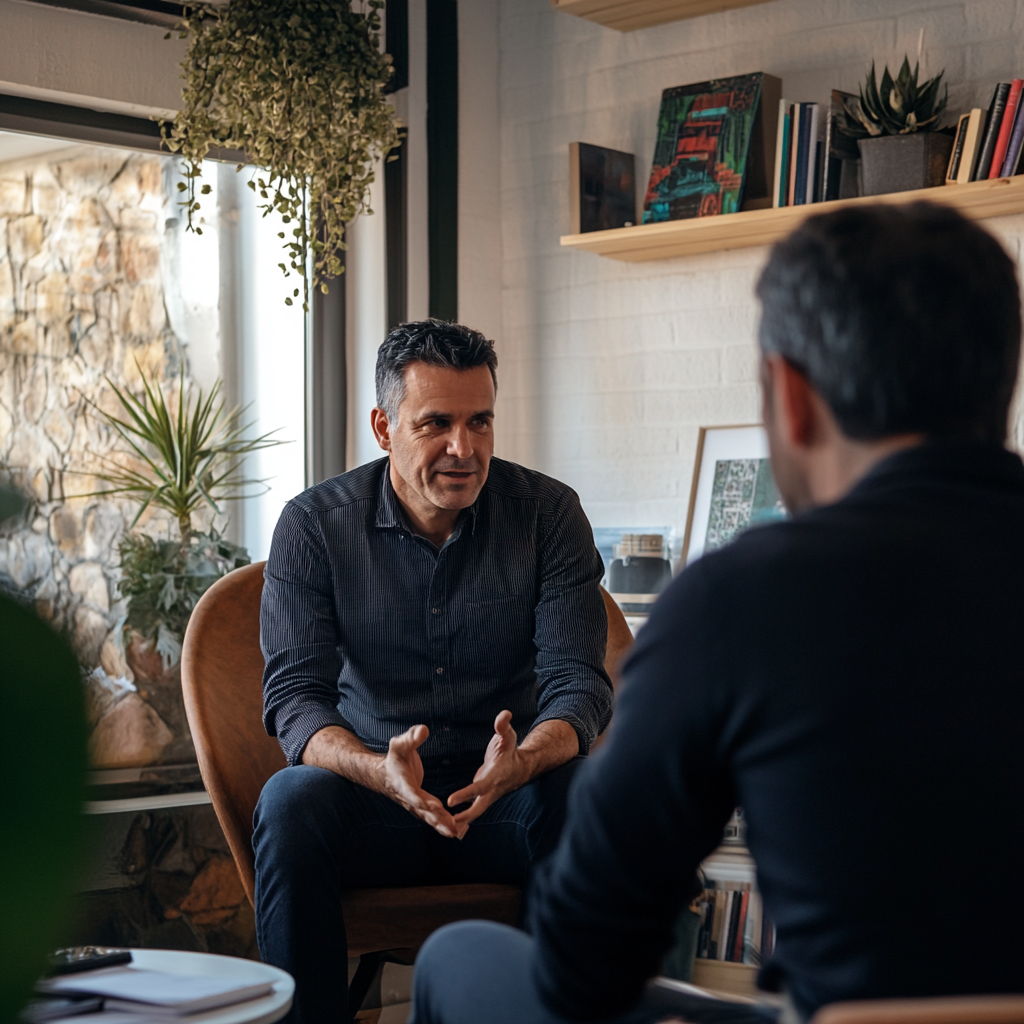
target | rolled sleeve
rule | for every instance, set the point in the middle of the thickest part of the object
(299, 636)
(571, 631)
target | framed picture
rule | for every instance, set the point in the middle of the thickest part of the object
(733, 488)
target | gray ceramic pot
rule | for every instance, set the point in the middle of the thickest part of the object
(901, 163)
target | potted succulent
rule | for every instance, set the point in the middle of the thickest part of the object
(897, 129)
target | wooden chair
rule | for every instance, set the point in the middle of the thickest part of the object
(988, 1009)
(222, 681)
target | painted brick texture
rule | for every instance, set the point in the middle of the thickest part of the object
(609, 369)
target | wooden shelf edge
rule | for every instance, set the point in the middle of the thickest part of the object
(977, 200)
(629, 15)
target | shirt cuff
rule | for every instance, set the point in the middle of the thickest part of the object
(583, 733)
(295, 724)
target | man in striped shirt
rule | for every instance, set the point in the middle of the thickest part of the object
(434, 637)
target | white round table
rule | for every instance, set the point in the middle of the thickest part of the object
(256, 1011)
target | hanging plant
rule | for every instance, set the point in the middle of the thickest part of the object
(298, 86)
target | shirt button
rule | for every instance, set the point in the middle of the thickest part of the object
(435, 611)
(440, 671)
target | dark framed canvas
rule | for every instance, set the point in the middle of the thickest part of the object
(716, 141)
(602, 188)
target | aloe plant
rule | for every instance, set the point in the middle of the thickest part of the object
(899, 107)
(187, 451)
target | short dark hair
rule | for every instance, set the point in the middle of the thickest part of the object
(434, 342)
(905, 319)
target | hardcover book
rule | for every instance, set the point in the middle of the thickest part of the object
(841, 155)
(715, 148)
(602, 188)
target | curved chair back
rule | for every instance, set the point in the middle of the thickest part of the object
(222, 682)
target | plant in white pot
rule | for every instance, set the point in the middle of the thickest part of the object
(902, 146)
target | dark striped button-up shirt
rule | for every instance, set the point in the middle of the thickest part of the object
(367, 626)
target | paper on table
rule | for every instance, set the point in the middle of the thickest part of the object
(157, 991)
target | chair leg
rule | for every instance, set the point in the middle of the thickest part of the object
(369, 965)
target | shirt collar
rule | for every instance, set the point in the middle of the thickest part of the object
(391, 517)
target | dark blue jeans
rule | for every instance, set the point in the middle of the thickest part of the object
(317, 833)
(478, 972)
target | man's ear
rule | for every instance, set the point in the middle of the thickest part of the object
(381, 428)
(792, 400)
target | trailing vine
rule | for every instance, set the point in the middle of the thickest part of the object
(298, 86)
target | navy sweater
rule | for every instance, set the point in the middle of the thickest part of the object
(854, 679)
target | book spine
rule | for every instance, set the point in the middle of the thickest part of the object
(803, 150)
(1013, 148)
(729, 932)
(958, 149)
(812, 151)
(741, 928)
(972, 146)
(1005, 128)
(794, 144)
(995, 117)
(780, 157)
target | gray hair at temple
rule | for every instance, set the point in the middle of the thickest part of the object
(434, 342)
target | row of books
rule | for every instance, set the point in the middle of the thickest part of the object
(733, 924)
(988, 144)
(798, 152)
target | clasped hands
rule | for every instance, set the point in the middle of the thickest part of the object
(504, 769)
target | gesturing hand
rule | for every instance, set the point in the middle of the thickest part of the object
(502, 771)
(403, 782)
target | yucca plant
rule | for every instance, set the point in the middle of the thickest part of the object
(184, 454)
(187, 451)
(899, 107)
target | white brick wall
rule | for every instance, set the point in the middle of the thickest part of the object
(608, 369)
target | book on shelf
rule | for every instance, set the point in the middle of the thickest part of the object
(840, 153)
(953, 167)
(781, 155)
(1013, 148)
(972, 146)
(991, 134)
(1005, 128)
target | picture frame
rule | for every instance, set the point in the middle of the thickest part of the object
(732, 488)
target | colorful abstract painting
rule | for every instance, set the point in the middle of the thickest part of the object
(704, 133)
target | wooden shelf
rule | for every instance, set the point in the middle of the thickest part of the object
(724, 977)
(627, 15)
(977, 200)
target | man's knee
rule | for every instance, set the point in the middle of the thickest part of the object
(299, 806)
(476, 949)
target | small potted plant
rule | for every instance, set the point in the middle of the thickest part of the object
(897, 129)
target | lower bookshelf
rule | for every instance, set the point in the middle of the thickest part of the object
(729, 867)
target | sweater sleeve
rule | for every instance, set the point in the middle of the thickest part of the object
(644, 812)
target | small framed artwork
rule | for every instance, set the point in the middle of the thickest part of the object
(733, 488)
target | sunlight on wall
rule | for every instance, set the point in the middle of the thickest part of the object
(273, 342)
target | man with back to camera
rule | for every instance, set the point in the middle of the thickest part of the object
(420, 614)
(852, 678)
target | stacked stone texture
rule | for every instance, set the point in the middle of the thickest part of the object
(81, 303)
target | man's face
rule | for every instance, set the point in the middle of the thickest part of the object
(442, 444)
